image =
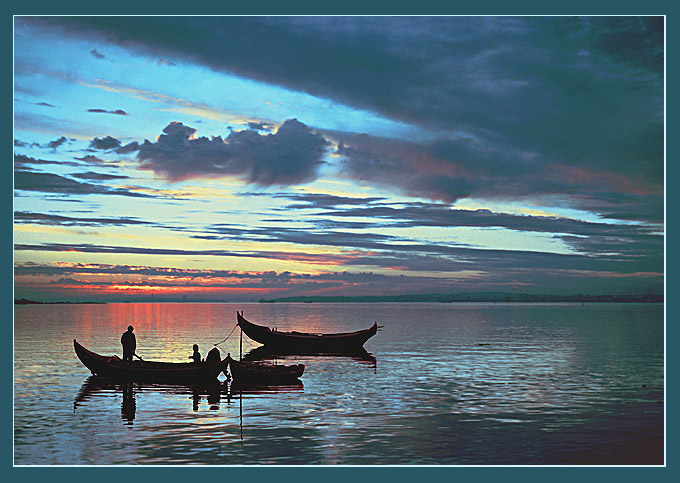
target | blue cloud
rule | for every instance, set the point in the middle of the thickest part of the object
(291, 155)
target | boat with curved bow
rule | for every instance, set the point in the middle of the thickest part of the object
(344, 342)
(114, 366)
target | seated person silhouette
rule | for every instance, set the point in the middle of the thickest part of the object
(213, 355)
(196, 356)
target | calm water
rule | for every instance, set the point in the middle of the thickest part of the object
(454, 384)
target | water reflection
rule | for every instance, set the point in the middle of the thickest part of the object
(95, 386)
(263, 353)
(129, 406)
(235, 389)
(213, 392)
(239, 390)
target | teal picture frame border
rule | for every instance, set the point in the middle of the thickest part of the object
(373, 474)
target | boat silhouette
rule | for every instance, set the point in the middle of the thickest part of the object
(113, 366)
(345, 342)
(258, 372)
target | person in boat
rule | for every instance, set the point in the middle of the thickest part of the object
(213, 355)
(129, 343)
(196, 356)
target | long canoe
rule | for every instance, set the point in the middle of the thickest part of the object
(305, 342)
(113, 366)
(263, 373)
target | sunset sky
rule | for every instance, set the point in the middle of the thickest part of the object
(240, 158)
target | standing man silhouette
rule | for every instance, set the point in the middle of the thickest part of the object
(129, 343)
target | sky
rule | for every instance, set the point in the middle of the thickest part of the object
(247, 158)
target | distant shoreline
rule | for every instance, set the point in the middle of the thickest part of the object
(478, 298)
(34, 302)
(482, 297)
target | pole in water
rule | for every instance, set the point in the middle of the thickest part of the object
(240, 346)
(240, 413)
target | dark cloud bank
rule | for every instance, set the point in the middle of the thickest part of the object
(568, 107)
(565, 107)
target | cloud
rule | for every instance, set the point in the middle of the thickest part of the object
(54, 183)
(75, 277)
(53, 145)
(70, 282)
(260, 126)
(510, 97)
(98, 176)
(588, 246)
(638, 243)
(416, 214)
(455, 268)
(289, 156)
(318, 200)
(449, 170)
(52, 219)
(329, 259)
(105, 144)
(493, 69)
(128, 148)
(23, 162)
(91, 159)
(118, 112)
(70, 269)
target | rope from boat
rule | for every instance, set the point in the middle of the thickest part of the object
(225, 339)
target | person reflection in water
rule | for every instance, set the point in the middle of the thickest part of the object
(195, 397)
(129, 344)
(196, 356)
(129, 407)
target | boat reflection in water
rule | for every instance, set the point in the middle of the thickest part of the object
(213, 391)
(234, 389)
(264, 353)
(97, 386)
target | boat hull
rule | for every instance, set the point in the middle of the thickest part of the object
(262, 373)
(307, 343)
(114, 367)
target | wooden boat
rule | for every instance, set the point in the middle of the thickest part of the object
(263, 373)
(113, 366)
(304, 342)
